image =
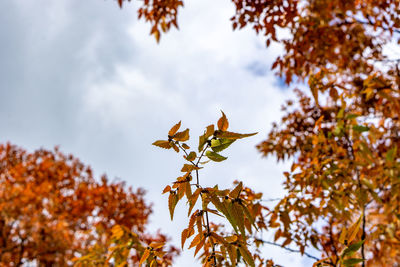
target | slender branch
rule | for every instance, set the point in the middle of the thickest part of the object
(352, 154)
(335, 250)
(288, 249)
(370, 23)
(197, 164)
(205, 211)
(271, 199)
(213, 244)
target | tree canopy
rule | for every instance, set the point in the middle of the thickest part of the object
(343, 134)
(53, 210)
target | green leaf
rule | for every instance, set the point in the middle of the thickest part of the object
(337, 131)
(236, 191)
(217, 145)
(352, 248)
(202, 142)
(246, 255)
(391, 154)
(360, 128)
(218, 204)
(230, 216)
(351, 116)
(238, 215)
(192, 156)
(215, 156)
(232, 251)
(249, 216)
(351, 262)
(340, 113)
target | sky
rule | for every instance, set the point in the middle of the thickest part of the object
(86, 76)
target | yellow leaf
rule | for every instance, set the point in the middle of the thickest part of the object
(189, 168)
(172, 201)
(231, 238)
(188, 190)
(353, 230)
(182, 136)
(209, 131)
(156, 245)
(343, 234)
(162, 144)
(192, 156)
(236, 192)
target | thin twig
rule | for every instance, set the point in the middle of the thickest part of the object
(288, 249)
(205, 211)
(352, 154)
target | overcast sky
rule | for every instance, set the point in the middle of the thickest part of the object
(86, 76)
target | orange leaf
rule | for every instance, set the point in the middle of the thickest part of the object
(166, 189)
(232, 135)
(162, 143)
(199, 245)
(174, 129)
(183, 237)
(223, 123)
(189, 168)
(144, 257)
(196, 240)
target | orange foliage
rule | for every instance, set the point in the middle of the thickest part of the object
(343, 190)
(52, 210)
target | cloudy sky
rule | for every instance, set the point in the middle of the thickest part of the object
(86, 76)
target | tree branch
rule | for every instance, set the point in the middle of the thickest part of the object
(288, 249)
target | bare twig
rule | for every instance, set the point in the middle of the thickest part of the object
(288, 249)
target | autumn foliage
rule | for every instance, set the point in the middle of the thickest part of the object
(53, 210)
(341, 135)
